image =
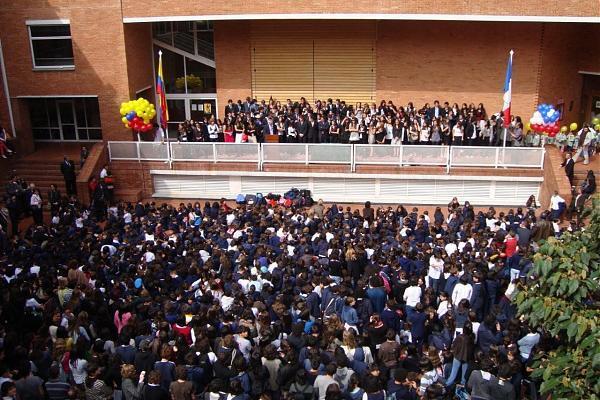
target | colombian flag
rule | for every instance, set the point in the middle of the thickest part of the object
(163, 113)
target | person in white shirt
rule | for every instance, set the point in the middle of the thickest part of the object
(555, 206)
(457, 133)
(149, 257)
(159, 133)
(462, 290)
(451, 248)
(412, 294)
(36, 207)
(104, 172)
(244, 345)
(444, 305)
(528, 342)
(213, 131)
(436, 267)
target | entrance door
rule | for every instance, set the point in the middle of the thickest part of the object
(177, 115)
(185, 108)
(202, 108)
(590, 97)
(66, 119)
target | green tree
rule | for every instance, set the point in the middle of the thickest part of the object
(564, 301)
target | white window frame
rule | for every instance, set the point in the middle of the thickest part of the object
(72, 98)
(55, 22)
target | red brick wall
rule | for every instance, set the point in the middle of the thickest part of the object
(554, 178)
(232, 58)
(4, 120)
(589, 60)
(559, 79)
(458, 62)
(584, 8)
(99, 51)
(138, 47)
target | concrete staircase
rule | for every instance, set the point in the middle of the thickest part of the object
(41, 172)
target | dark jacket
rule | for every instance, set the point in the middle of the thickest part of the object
(68, 170)
(463, 347)
(144, 361)
(486, 338)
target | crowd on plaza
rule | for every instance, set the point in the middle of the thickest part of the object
(214, 302)
(337, 122)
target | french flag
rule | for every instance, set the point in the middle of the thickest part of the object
(507, 91)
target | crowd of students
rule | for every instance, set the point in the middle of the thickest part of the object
(337, 122)
(267, 302)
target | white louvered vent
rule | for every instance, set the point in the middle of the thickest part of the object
(356, 190)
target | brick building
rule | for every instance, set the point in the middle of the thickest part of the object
(67, 65)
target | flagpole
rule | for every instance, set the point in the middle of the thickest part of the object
(507, 122)
(165, 129)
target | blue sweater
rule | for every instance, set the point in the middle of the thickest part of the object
(377, 297)
(349, 315)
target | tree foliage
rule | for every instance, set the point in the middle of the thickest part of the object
(563, 300)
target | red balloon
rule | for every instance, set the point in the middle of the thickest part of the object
(552, 134)
(136, 120)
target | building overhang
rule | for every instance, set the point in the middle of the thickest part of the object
(370, 16)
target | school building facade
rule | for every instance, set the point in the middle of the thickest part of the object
(67, 66)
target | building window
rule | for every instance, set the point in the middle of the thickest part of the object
(65, 118)
(184, 75)
(193, 37)
(51, 45)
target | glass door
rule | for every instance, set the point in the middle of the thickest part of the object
(184, 108)
(66, 119)
(202, 108)
(177, 115)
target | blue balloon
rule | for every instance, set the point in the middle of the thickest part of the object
(138, 283)
(540, 108)
(131, 115)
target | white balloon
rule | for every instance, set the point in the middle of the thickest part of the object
(537, 118)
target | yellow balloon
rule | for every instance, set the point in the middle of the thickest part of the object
(597, 128)
(595, 121)
(564, 129)
(124, 119)
(528, 126)
(573, 126)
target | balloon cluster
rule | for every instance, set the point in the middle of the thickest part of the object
(545, 120)
(596, 123)
(137, 114)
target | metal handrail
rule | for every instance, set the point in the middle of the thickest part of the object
(256, 154)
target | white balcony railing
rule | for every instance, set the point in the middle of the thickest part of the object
(340, 154)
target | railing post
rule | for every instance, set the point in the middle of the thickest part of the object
(352, 158)
(543, 156)
(260, 153)
(496, 158)
(449, 154)
(109, 153)
(400, 164)
(137, 146)
(214, 149)
(306, 158)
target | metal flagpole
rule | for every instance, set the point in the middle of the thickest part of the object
(506, 102)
